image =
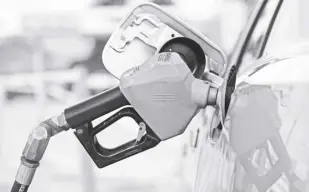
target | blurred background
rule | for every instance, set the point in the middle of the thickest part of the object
(50, 58)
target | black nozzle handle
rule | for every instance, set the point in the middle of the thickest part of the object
(95, 107)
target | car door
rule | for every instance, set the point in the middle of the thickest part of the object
(271, 92)
(249, 50)
(214, 162)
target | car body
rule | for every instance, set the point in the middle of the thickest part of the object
(262, 144)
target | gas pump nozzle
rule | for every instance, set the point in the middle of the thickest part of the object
(162, 96)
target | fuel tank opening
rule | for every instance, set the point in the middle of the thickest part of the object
(191, 52)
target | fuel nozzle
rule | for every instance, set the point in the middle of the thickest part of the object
(203, 93)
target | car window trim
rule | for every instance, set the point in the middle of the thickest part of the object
(246, 34)
(269, 29)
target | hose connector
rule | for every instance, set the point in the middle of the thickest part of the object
(35, 148)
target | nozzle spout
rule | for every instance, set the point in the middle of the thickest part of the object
(203, 94)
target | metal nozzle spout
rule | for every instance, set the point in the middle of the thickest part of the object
(203, 94)
(212, 96)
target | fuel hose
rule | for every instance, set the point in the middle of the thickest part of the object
(17, 187)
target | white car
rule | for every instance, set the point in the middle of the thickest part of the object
(262, 145)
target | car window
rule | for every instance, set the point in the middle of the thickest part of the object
(253, 48)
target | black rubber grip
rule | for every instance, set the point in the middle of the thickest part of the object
(17, 187)
(95, 107)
